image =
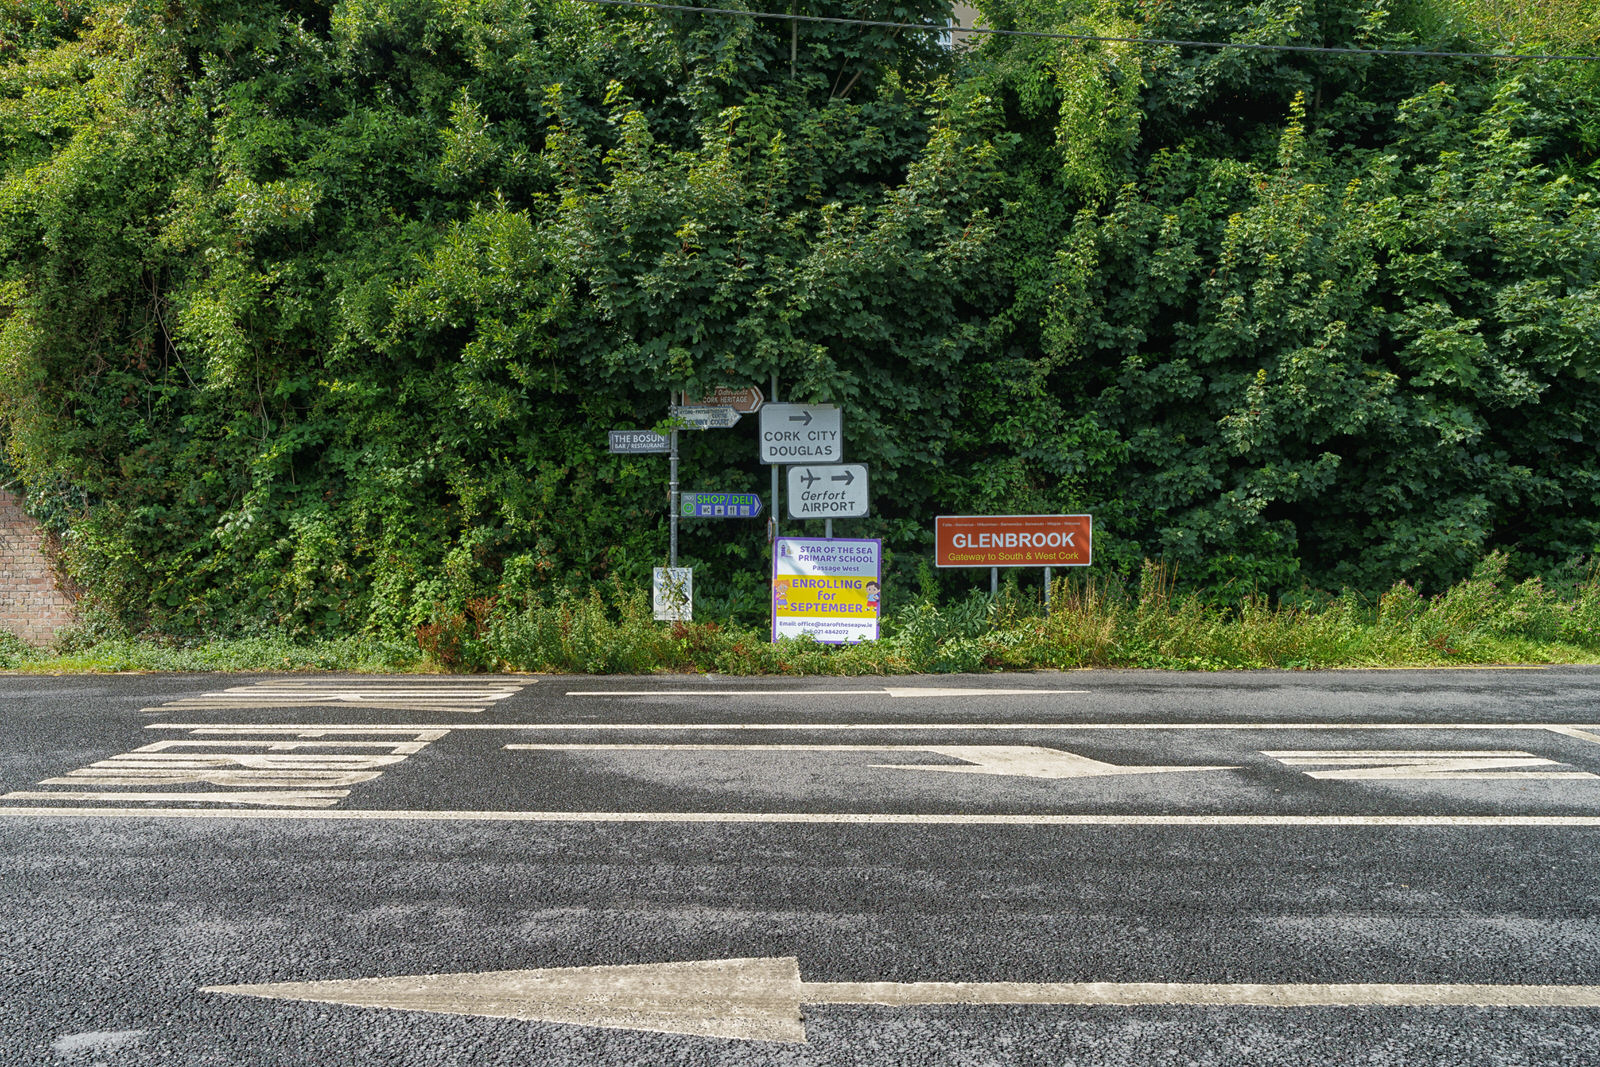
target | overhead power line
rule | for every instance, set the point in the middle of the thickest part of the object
(783, 16)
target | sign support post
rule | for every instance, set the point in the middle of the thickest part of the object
(672, 489)
(995, 541)
(774, 519)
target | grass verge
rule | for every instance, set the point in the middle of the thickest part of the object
(1095, 622)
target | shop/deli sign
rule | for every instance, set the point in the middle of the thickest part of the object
(1013, 540)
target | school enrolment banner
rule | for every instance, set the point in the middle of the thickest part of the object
(829, 588)
(1013, 540)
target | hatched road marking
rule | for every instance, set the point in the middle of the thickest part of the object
(470, 696)
(302, 770)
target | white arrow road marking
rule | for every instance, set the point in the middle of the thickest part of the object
(1434, 765)
(1025, 761)
(1032, 761)
(761, 999)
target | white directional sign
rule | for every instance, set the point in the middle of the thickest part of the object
(801, 433)
(761, 999)
(838, 491)
(707, 417)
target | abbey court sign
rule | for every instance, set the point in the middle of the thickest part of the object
(1013, 540)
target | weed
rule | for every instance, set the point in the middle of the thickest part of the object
(1093, 622)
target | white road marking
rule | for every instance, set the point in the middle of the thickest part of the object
(258, 779)
(280, 764)
(295, 798)
(96, 1042)
(761, 999)
(1580, 734)
(1025, 761)
(1424, 764)
(431, 695)
(310, 729)
(825, 818)
(899, 691)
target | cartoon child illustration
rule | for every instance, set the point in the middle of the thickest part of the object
(872, 593)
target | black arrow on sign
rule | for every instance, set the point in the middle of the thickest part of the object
(804, 418)
(808, 478)
(847, 477)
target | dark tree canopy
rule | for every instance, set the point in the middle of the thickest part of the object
(316, 316)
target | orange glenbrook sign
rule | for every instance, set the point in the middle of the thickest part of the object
(1013, 540)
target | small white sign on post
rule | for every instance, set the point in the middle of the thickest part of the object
(801, 433)
(672, 594)
(707, 418)
(838, 491)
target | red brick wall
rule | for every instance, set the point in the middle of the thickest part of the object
(30, 604)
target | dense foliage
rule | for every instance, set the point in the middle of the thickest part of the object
(317, 315)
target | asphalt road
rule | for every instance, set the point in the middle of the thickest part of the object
(1168, 838)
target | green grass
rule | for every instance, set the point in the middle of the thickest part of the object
(364, 655)
(1096, 622)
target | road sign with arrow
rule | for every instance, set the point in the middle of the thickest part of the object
(746, 401)
(707, 417)
(837, 491)
(801, 433)
(720, 505)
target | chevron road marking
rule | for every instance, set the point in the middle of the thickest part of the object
(1424, 764)
(1027, 761)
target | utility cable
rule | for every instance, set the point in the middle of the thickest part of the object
(783, 16)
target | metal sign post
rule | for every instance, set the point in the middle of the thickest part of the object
(772, 523)
(672, 489)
